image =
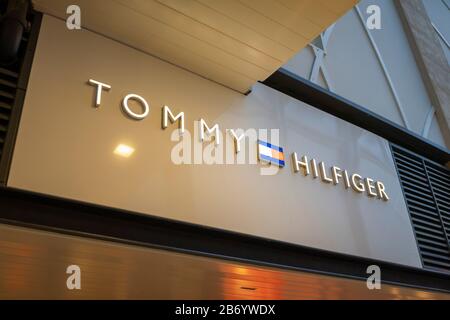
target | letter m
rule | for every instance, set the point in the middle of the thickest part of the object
(168, 115)
(210, 131)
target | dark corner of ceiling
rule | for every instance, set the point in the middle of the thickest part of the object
(19, 28)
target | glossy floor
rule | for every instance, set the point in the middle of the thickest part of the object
(33, 266)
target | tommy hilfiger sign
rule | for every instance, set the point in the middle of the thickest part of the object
(267, 152)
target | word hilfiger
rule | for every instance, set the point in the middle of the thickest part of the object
(335, 175)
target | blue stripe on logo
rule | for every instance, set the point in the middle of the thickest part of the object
(272, 160)
(269, 145)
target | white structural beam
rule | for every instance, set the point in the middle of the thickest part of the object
(385, 70)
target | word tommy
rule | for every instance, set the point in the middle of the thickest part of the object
(167, 115)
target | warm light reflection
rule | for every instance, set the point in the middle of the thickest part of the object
(242, 282)
(124, 150)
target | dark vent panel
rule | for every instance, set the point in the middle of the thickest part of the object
(13, 85)
(9, 83)
(8, 86)
(426, 186)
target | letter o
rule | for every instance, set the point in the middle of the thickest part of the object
(132, 114)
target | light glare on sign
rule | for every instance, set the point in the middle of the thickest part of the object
(124, 150)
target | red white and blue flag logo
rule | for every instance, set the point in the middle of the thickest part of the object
(270, 153)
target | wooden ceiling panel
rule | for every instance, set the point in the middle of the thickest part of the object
(233, 42)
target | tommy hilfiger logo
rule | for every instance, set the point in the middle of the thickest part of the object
(270, 153)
